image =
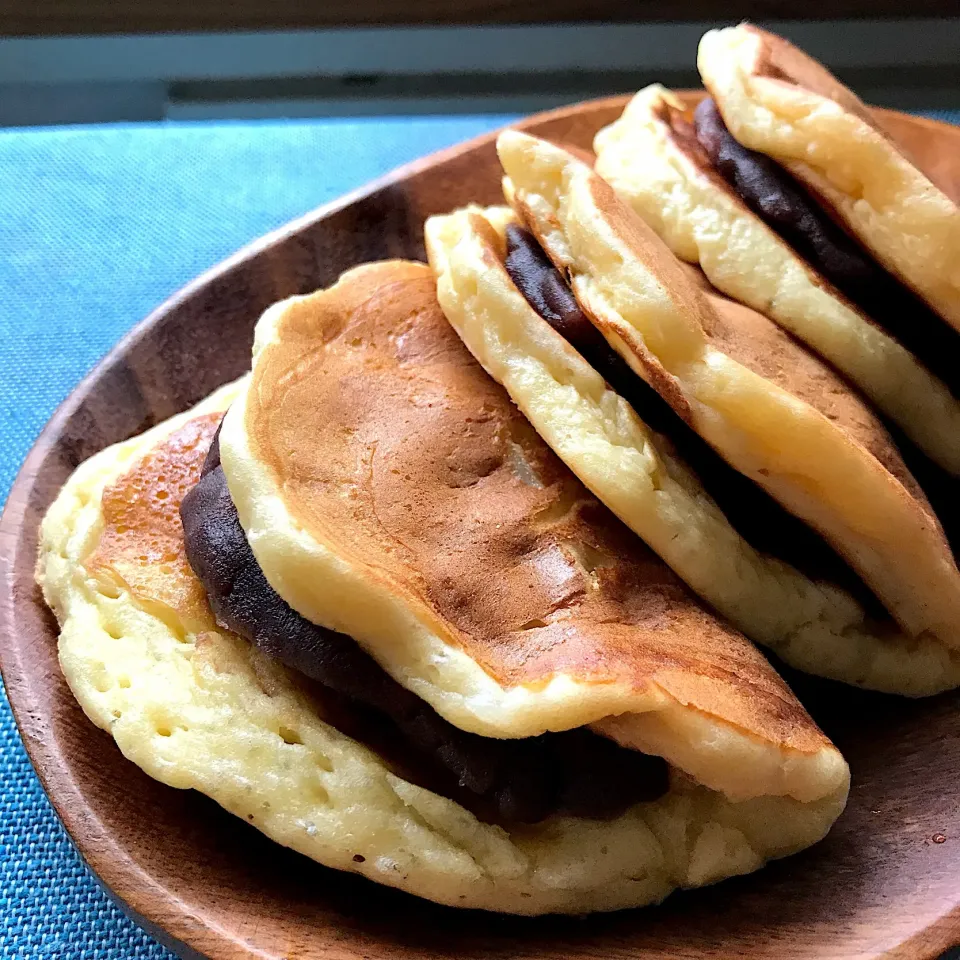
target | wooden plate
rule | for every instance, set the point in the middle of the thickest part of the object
(884, 883)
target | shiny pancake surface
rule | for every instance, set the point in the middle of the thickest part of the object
(142, 541)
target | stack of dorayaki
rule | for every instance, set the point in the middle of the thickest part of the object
(460, 587)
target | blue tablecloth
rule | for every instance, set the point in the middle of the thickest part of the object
(97, 226)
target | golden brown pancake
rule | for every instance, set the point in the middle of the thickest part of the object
(389, 490)
(773, 578)
(778, 101)
(752, 340)
(747, 337)
(644, 303)
(198, 707)
(142, 541)
(576, 773)
(436, 459)
(652, 157)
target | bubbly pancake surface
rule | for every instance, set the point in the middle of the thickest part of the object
(421, 469)
(142, 540)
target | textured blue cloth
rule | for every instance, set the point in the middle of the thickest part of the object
(97, 226)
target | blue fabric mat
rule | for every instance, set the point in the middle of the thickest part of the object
(97, 226)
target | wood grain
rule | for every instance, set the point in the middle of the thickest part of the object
(53, 17)
(879, 885)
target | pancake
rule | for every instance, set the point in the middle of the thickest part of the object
(508, 781)
(778, 101)
(558, 380)
(198, 707)
(795, 214)
(391, 492)
(769, 407)
(653, 159)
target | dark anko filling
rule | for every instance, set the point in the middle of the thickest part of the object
(789, 210)
(796, 216)
(575, 772)
(759, 519)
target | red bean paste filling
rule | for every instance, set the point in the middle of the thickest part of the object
(575, 772)
(753, 513)
(796, 217)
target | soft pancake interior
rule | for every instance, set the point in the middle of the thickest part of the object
(636, 471)
(845, 478)
(777, 100)
(652, 157)
(785, 206)
(768, 190)
(197, 707)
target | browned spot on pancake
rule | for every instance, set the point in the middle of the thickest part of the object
(391, 444)
(678, 124)
(757, 343)
(142, 539)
